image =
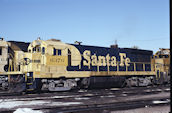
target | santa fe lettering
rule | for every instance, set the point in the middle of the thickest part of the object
(107, 60)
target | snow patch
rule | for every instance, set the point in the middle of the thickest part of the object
(62, 96)
(82, 98)
(26, 110)
(88, 95)
(159, 90)
(35, 98)
(114, 89)
(64, 103)
(167, 89)
(148, 90)
(124, 94)
(82, 91)
(111, 96)
(160, 102)
(107, 96)
(13, 104)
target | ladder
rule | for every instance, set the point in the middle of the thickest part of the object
(29, 82)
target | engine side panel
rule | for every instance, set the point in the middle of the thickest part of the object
(92, 59)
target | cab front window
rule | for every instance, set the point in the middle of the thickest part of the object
(34, 49)
(29, 50)
(38, 49)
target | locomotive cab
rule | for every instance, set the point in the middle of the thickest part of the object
(46, 63)
(161, 63)
(3, 54)
(3, 62)
(11, 55)
(45, 56)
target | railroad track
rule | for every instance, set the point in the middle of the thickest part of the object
(92, 108)
(84, 100)
(107, 106)
(97, 92)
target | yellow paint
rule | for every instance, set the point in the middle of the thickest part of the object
(44, 75)
(25, 76)
(57, 60)
(9, 78)
(36, 58)
(37, 72)
(78, 74)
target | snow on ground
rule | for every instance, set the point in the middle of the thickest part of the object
(124, 94)
(167, 89)
(35, 98)
(115, 89)
(158, 109)
(148, 90)
(13, 104)
(107, 96)
(81, 91)
(160, 102)
(63, 96)
(111, 96)
(82, 98)
(8, 104)
(26, 110)
(64, 103)
(159, 90)
(88, 94)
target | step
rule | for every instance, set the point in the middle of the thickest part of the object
(29, 89)
(29, 83)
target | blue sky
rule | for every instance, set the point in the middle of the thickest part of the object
(142, 23)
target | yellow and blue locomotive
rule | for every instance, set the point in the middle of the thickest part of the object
(56, 66)
(11, 58)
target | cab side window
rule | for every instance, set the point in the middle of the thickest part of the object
(0, 51)
(160, 56)
(54, 52)
(57, 52)
(43, 50)
(166, 56)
